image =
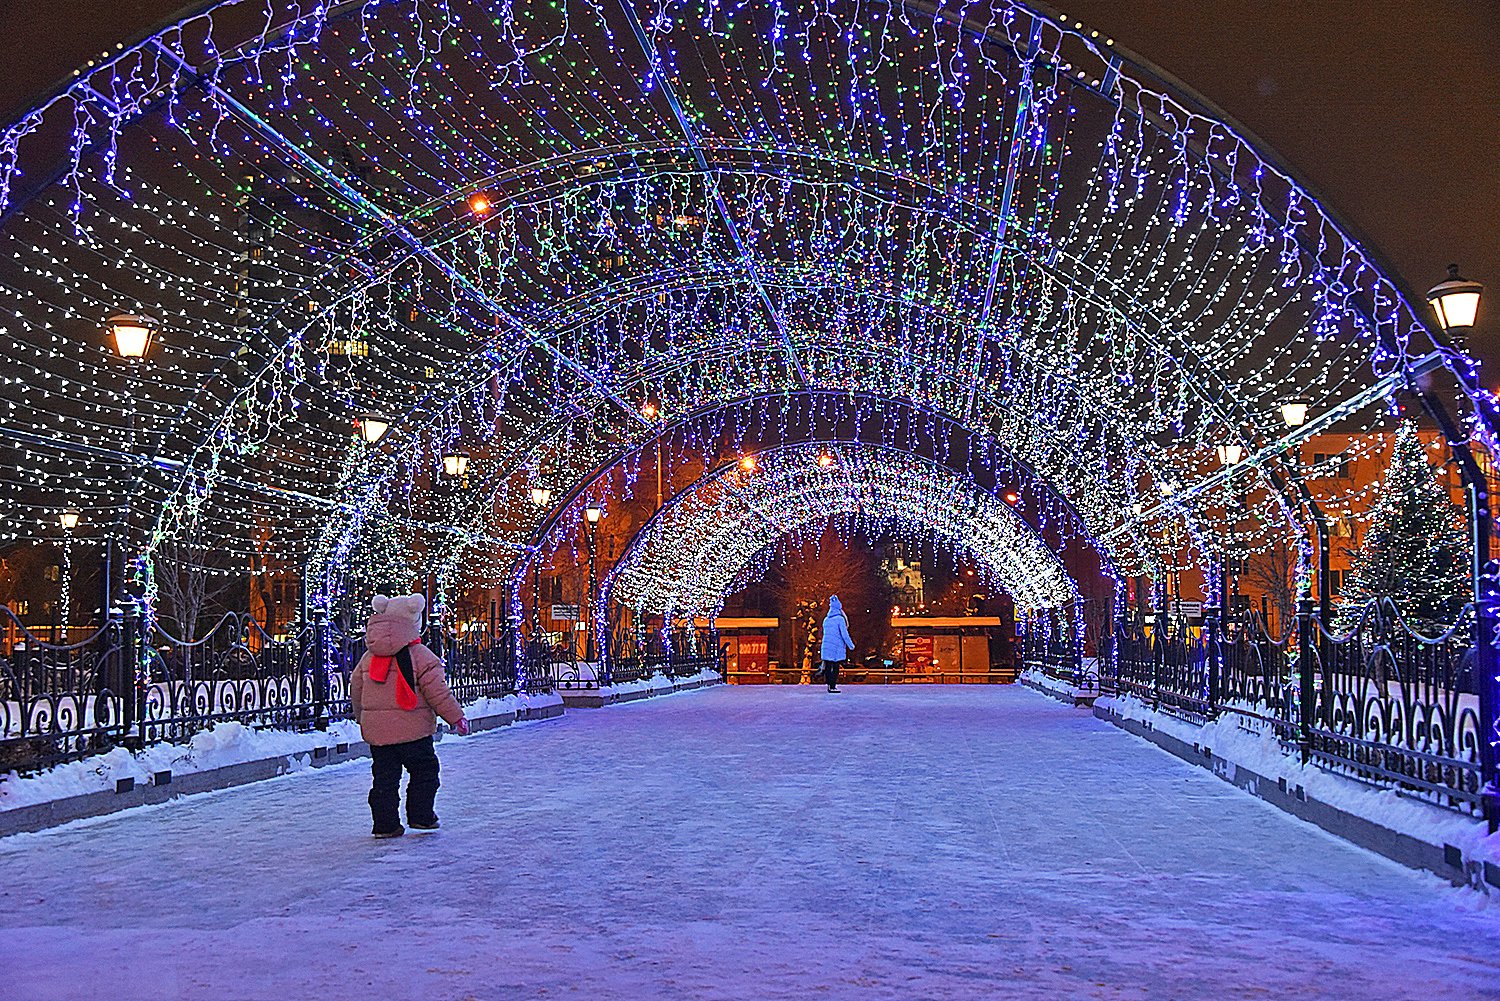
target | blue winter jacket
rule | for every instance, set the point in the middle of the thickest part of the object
(836, 639)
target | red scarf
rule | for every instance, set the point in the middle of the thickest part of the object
(380, 669)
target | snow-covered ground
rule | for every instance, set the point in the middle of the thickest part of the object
(220, 745)
(759, 843)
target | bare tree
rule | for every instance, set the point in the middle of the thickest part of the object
(185, 584)
(1273, 572)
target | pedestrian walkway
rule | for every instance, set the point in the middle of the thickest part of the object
(756, 843)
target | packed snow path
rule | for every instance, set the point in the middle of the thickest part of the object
(756, 843)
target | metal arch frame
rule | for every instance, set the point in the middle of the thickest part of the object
(1040, 13)
(528, 562)
(721, 471)
(1112, 55)
(906, 407)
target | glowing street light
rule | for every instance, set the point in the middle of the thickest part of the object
(1456, 301)
(480, 204)
(371, 427)
(593, 512)
(747, 463)
(1294, 413)
(1230, 455)
(541, 496)
(69, 518)
(132, 334)
(456, 464)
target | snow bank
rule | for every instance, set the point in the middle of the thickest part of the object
(657, 683)
(221, 745)
(1048, 684)
(1253, 744)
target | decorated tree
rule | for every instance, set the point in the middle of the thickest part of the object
(1414, 551)
(383, 559)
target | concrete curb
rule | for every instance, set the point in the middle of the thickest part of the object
(1446, 861)
(165, 786)
(595, 698)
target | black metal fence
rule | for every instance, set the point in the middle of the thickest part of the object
(634, 654)
(1378, 700)
(130, 684)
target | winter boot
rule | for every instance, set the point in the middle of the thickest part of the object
(396, 833)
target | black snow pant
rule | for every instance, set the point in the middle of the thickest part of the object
(387, 760)
(831, 673)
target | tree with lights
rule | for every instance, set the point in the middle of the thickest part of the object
(1414, 550)
(382, 560)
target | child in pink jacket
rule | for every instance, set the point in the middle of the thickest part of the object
(397, 692)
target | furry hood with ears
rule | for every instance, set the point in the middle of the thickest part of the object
(397, 622)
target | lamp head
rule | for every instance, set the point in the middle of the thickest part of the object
(132, 333)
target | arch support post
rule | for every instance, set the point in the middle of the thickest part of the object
(1213, 656)
(1307, 695)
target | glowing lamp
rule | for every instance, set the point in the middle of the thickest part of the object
(825, 460)
(455, 464)
(1011, 497)
(747, 464)
(132, 334)
(541, 496)
(1230, 455)
(1294, 413)
(1456, 301)
(593, 512)
(69, 518)
(479, 204)
(648, 410)
(372, 428)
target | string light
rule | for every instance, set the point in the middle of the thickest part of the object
(469, 220)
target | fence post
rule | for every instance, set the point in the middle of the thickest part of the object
(1487, 671)
(1307, 698)
(1213, 656)
(131, 716)
(320, 668)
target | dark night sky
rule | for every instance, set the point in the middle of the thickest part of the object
(1389, 108)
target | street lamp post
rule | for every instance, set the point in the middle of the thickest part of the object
(591, 517)
(68, 518)
(1456, 303)
(541, 496)
(133, 335)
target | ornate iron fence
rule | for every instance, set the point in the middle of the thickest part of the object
(1398, 706)
(1381, 701)
(634, 652)
(126, 686)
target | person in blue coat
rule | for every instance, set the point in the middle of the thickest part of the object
(836, 642)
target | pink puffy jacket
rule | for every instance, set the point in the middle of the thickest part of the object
(380, 720)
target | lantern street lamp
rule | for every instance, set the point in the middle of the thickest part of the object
(456, 464)
(68, 517)
(1456, 301)
(1294, 413)
(592, 514)
(1230, 455)
(372, 428)
(132, 333)
(541, 496)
